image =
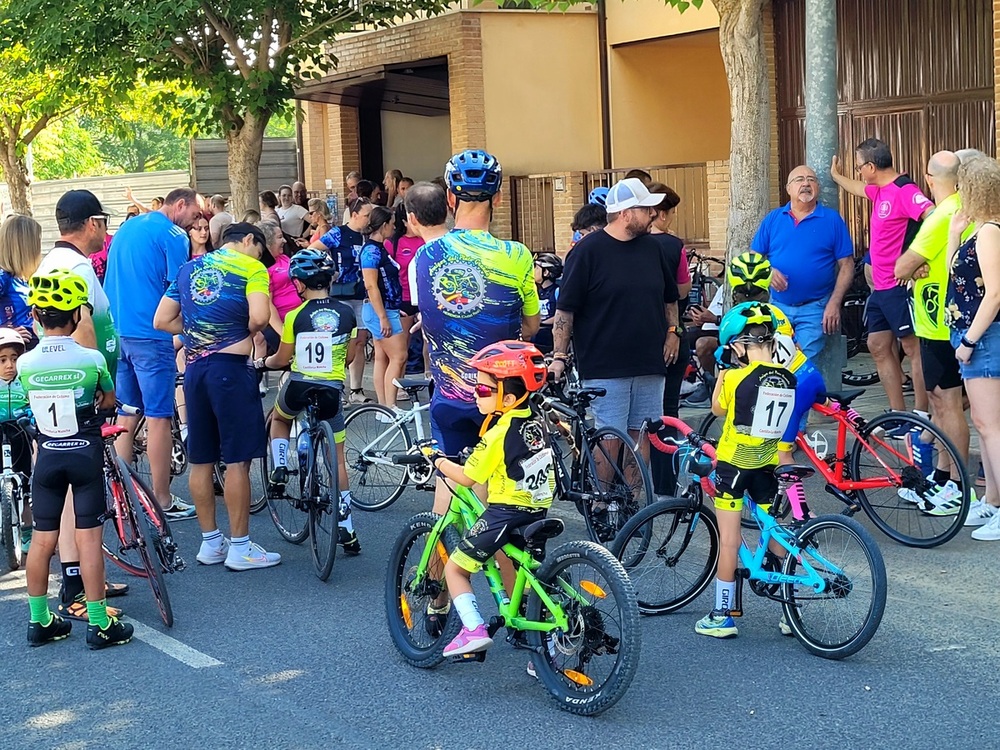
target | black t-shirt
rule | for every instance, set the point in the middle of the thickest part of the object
(616, 292)
(672, 247)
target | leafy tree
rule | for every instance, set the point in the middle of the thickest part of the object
(66, 149)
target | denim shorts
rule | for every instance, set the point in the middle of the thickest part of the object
(629, 401)
(372, 324)
(985, 362)
(145, 378)
(225, 419)
(807, 322)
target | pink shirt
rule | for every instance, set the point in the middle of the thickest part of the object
(283, 293)
(408, 247)
(894, 206)
(683, 270)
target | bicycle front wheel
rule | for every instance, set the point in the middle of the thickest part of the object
(588, 667)
(119, 537)
(670, 551)
(10, 525)
(617, 479)
(901, 500)
(324, 502)
(285, 503)
(372, 439)
(843, 617)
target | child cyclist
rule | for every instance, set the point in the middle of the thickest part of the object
(319, 338)
(64, 382)
(14, 404)
(755, 399)
(548, 270)
(513, 460)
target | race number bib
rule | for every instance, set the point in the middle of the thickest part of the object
(314, 352)
(536, 476)
(55, 412)
(772, 413)
(784, 349)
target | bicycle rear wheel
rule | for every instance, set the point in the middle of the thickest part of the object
(324, 502)
(617, 478)
(901, 505)
(372, 439)
(670, 551)
(285, 504)
(119, 539)
(841, 619)
(258, 485)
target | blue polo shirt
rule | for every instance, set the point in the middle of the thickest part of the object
(806, 252)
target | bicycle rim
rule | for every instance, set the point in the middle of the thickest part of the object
(118, 535)
(149, 542)
(324, 502)
(619, 480)
(10, 527)
(372, 439)
(285, 505)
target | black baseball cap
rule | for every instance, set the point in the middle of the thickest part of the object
(236, 232)
(79, 205)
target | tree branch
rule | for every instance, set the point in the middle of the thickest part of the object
(39, 126)
(320, 27)
(231, 40)
(266, 35)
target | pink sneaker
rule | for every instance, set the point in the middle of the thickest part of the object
(469, 641)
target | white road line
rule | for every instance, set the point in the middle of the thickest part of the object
(173, 647)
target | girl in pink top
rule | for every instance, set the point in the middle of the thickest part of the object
(283, 293)
(402, 248)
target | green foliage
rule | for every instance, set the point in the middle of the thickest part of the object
(66, 149)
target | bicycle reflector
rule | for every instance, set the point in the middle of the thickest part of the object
(593, 589)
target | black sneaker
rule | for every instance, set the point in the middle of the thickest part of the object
(279, 477)
(116, 634)
(349, 541)
(56, 630)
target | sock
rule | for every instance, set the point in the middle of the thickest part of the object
(346, 520)
(97, 614)
(941, 476)
(212, 538)
(240, 544)
(279, 451)
(724, 591)
(40, 611)
(468, 609)
(72, 582)
(856, 419)
(797, 499)
(924, 414)
(184, 433)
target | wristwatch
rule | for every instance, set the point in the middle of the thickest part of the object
(679, 330)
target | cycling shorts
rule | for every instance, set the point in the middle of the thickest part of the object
(732, 483)
(490, 533)
(293, 398)
(64, 463)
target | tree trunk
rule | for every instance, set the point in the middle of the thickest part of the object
(245, 144)
(15, 174)
(741, 36)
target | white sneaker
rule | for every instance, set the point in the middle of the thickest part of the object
(209, 555)
(943, 501)
(990, 531)
(179, 510)
(255, 557)
(911, 495)
(980, 512)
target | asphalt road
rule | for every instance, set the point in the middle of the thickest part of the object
(277, 659)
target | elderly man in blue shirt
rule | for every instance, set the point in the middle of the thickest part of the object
(811, 255)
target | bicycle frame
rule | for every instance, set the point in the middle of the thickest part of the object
(410, 415)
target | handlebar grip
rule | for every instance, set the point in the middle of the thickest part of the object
(132, 411)
(408, 459)
(690, 435)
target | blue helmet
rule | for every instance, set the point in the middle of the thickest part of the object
(473, 175)
(599, 196)
(309, 265)
(735, 322)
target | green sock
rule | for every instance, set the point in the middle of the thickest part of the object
(40, 611)
(97, 613)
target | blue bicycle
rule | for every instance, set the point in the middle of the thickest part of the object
(829, 577)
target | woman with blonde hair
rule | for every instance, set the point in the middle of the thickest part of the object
(319, 220)
(20, 254)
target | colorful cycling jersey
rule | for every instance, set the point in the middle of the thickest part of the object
(515, 461)
(14, 310)
(13, 400)
(758, 400)
(472, 290)
(213, 293)
(547, 297)
(61, 379)
(66, 257)
(321, 330)
(375, 256)
(345, 246)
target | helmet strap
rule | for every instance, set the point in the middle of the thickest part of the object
(500, 408)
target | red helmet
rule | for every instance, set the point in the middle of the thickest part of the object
(513, 359)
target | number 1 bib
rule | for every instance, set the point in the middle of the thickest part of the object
(54, 412)
(313, 352)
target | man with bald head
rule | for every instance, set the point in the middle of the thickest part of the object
(811, 255)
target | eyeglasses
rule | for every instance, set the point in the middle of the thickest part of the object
(802, 179)
(101, 217)
(862, 166)
(484, 391)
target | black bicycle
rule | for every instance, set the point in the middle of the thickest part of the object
(15, 498)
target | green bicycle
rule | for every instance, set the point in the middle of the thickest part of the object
(575, 609)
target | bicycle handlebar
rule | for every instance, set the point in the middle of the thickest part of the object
(550, 404)
(669, 445)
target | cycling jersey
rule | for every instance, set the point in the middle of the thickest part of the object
(345, 246)
(758, 400)
(375, 256)
(321, 330)
(515, 462)
(212, 291)
(547, 296)
(14, 310)
(472, 290)
(13, 400)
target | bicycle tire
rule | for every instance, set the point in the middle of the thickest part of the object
(403, 606)
(860, 378)
(898, 518)
(852, 323)
(119, 544)
(149, 538)
(566, 662)
(258, 485)
(287, 511)
(375, 485)
(625, 496)
(654, 543)
(800, 606)
(10, 527)
(324, 502)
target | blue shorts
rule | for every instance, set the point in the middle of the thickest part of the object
(890, 310)
(629, 402)
(372, 324)
(146, 373)
(225, 419)
(985, 362)
(810, 388)
(454, 424)
(807, 322)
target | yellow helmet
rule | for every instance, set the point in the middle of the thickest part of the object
(58, 290)
(749, 269)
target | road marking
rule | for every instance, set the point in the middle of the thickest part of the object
(173, 647)
(953, 647)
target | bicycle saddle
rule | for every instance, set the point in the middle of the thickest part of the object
(589, 394)
(791, 473)
(844, 398)
(539, 531)
(411, 384)
(111, 430)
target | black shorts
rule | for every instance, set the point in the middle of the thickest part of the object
(408, 308)
(890, 310)
(293, 398)
(940, 368)
(490, 533)
(225, 418)
(76, 462)
(273, 340)
(731, 482)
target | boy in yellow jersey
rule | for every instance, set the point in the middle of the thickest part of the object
(756, 399)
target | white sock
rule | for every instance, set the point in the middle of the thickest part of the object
(213, 539)
(240, 545)
(724, 591)
(279, 451)
(468, 609)
(924, 414)
(346, 520)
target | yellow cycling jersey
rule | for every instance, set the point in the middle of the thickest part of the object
(759, 401)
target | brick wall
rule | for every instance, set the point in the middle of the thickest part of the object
(772, 85)
(717, 175)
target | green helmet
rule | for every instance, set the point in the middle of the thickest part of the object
(58, 290)
(749, 269)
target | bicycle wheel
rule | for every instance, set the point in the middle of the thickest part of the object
(852, 323)
(588, 667)
(324, 502)
(897, 504)
(618, 477)
(285, 505)
(670, 551)
(406, 601)
(119, 540)
(10, 525)
(258, 484)
(372, 439)
(711, 429)
(841, 619)
(149, 537)
(860, 374)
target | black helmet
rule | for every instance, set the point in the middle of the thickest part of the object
(308, 264)
(550, 263)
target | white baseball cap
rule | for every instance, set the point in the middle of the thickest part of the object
(630, 193)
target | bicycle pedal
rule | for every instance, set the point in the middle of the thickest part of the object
(736, 613)
(179, 564)
(475, 656)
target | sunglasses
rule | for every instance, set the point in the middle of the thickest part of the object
(484, 391)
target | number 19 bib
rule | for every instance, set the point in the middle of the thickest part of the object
(313, 352)
(773, 410)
